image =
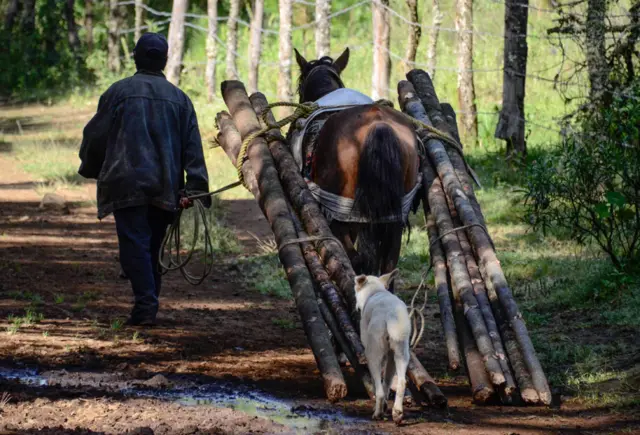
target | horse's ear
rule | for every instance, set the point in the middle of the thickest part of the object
(341, 63)
(389, 277)
(302, 62)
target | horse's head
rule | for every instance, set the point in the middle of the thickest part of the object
(319, 77)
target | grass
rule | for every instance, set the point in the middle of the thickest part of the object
(265, 274)
(30, 318)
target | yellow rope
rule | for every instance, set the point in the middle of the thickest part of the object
(304, 110)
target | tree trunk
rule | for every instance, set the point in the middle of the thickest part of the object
(511, 122)
(232, 40)
(11, 12)
(596, 48)
(432, 49)
(139, 9)
(466, 89)
(212, 49)
(88, 24)
(425, 383)
(381, 40)
(254, 44)
(72, 29)
(415, 31)
(176, 41)
(285, 50)
(323, 28)
(28, 16)
(113, 44)
(274, 205)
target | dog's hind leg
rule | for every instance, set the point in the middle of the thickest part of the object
(375, 356)
(401, 358)
(388, 376)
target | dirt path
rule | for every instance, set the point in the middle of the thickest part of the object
(61, 264)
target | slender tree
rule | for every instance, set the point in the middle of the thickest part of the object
(139, 10)
(415, 31)
(72, 29)
(28, 16)
(255, 44)
(433, 39)
(323, 28)
(176, 40)
(113, 46)
(88, 23)
(466, 88)
(10, 14)
(511, 122)
(597, 64)
(285, 50)
(381, 40)
(232, 40)
(212, 48)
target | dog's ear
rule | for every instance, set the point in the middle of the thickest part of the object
(360, 281)
(302, 62)
(389, 277)
(341, 63)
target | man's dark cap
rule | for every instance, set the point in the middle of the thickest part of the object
(152, 46)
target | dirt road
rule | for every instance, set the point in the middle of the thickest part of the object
(231, 360)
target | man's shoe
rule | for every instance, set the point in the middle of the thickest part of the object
(141, 321)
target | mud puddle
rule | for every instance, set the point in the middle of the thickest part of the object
(297, 416)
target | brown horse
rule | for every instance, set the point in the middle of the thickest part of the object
(369, 154)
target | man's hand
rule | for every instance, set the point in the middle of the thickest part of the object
(186, 202)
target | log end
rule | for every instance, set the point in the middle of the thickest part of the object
(454, 365)
(545, 398)
(498, 379)
(483, 394)
(435, 396)
(334, 387)
(530, 396)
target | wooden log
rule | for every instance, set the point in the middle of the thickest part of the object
(274, 206)
(442, 288)
(331, 251)
(508, 392)
(361, 371)
(460, 275)
(425, 91)
(482, 391)
(425, 383)
(230, 141)
(488, 260)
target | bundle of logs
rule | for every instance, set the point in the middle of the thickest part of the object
(478, 313)
(316, 264)
(482, 325)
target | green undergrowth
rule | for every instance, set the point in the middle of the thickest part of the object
(265, 274)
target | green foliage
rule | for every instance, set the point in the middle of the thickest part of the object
(590, 187)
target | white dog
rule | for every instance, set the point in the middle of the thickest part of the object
(385, 330)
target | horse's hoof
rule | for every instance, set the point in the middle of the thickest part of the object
(376, 416)
(397, 416)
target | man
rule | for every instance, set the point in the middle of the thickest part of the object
(138, 146)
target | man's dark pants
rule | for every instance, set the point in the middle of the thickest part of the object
(140, 234)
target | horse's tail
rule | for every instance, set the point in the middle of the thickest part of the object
(380, 186)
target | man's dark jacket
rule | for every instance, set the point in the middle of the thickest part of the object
(140, 143)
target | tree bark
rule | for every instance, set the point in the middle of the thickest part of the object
(434, 33)
(28, 16)
(460, 277)
(139, 10)
(597, 65)
(88, 24)
(212, 49)
(331, 251)
(113, 45)
(254, 44)
(232, 40)
(285, 50)
(466, 88)
(72, 29)
(274, 205)
(415, 31)
(425, 383)
(323, 28)
(10, 14)
(510, 126)
(176, 41)
(381, 41)
(488, 260)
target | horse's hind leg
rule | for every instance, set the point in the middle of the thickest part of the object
(368, 250)
(390, 249)
(344, 232)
